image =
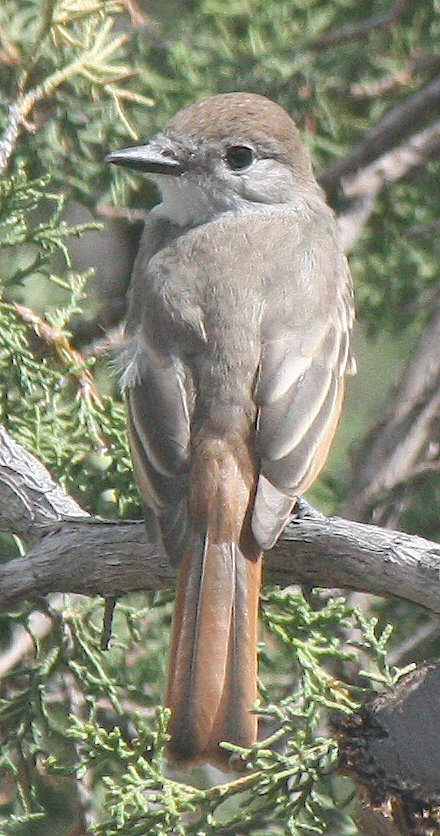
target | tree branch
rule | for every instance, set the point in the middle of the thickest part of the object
(106, 557)
(353, 31)
(362, 188)
(405, 439)
(392, 128)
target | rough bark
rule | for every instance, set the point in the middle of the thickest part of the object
(72, 552)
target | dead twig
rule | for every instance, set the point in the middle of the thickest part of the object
(71, 359)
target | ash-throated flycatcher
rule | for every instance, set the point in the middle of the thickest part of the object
(236, 350)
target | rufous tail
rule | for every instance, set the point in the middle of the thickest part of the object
(212, 678)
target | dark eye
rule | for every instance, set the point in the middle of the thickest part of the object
(238, 157)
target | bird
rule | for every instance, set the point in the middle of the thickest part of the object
(236, 351)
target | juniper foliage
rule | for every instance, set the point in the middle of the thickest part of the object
(82, 733)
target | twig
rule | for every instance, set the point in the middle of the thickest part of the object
(93, 64)
(10, 135)
(131, 216)
(83, 784)
(353, 31)
(22, 642)
(9, 54)
(137, 18)
(70, 358)
(423, 229)
(32, 498)
(416, 644)
(109, 609)
(421, 63)
(373, 89)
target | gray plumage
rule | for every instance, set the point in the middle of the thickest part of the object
(276, 360)
(237, 347)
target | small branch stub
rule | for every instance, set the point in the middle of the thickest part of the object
(109, 608)
(391, 746)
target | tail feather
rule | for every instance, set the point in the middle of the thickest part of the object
(199, 647)
(234, 722)
(212, 680)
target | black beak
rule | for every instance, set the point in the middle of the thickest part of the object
(145, 158)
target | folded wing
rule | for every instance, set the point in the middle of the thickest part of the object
(299, 393)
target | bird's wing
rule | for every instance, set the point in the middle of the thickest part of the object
(300, 385)
(157, 390)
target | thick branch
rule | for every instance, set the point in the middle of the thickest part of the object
(392, 128)
(29, 497)
(404, 442)
(99, 557)
(93, 556)
(362, 188)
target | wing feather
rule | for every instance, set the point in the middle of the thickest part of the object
(158, 395)
(299, 394)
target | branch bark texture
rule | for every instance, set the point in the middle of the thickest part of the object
(72, 552)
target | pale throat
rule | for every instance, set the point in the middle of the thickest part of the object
(187, 203)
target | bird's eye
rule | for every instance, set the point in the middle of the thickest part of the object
(239, 157)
